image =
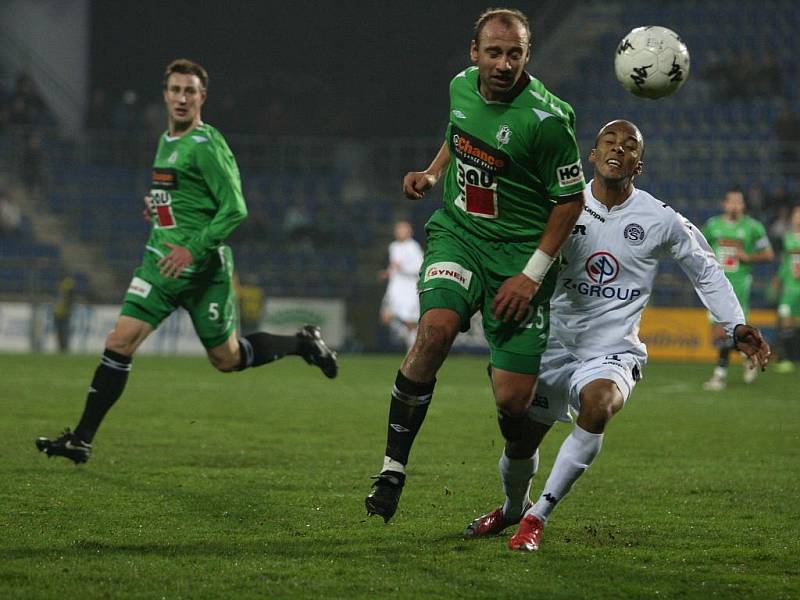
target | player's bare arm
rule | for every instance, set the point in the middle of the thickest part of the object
(516, 293)
(416, 183)
(750, 341)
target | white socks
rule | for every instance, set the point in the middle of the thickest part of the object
(516, 475)
(574, 457)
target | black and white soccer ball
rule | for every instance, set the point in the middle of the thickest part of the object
(652, 62)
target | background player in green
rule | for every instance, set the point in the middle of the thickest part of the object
(195, 203)
(788, 280)
(739, 242)
(513, 189)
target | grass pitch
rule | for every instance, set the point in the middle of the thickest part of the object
(251, 485)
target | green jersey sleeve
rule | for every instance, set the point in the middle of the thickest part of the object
(557, 158)
(221, 174)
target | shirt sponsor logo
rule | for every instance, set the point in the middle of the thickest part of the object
(584, 288)
(139, 287)
(634, 233)
(165, 179)
(569, 174)
(449, 270)
(477, 153)
(602, 267)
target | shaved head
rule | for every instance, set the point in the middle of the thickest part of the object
(617, 124)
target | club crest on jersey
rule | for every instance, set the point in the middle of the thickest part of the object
(634, 233)
(503, 135)
(173, 158)
(458, 114)
(602, 267)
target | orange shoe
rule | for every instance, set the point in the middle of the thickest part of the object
(528, 535)
(489, 524)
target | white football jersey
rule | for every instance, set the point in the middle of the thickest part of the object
(611, 259)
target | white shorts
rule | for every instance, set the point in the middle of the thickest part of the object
(562, 377)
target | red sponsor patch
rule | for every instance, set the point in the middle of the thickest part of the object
(480, 200)
(165, 218)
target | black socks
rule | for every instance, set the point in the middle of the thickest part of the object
(410, 401)
(106, 388)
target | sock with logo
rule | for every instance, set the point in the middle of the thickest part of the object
(516, 475)
(577, 452)
(409, 405)
(261, 348)
(109, 380)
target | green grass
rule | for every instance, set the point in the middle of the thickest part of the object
(251, 485)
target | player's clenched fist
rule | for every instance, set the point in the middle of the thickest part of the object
(416, 183)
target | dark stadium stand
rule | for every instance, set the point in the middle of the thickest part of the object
(719, 130)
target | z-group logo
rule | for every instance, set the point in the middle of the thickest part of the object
(602, 267)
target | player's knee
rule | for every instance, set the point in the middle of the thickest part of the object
(120, 344)
(599, 405)
(513, 401)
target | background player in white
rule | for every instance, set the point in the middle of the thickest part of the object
(400, 307)
(594, 356)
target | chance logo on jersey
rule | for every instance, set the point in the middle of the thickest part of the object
(477, 166)
(602, 267)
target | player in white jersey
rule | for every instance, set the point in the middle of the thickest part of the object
(400, 306)
(594, 356)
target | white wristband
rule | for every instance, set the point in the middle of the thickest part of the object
(538, 265)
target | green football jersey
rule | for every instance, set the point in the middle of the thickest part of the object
(509, 161)
(790, 265)
(197, 194)
(728, 238)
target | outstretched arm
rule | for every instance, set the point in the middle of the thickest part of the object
(691, 250)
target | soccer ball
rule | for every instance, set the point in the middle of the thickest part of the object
(652, 62)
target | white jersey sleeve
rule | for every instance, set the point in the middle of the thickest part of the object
(690, 249)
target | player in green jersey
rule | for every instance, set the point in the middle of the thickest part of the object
(195, 203)
(788, 280)
(739, 242)
(513, 189)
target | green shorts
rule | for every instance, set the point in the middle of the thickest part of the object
(789, 305)
(207, 294)
(463, 273)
